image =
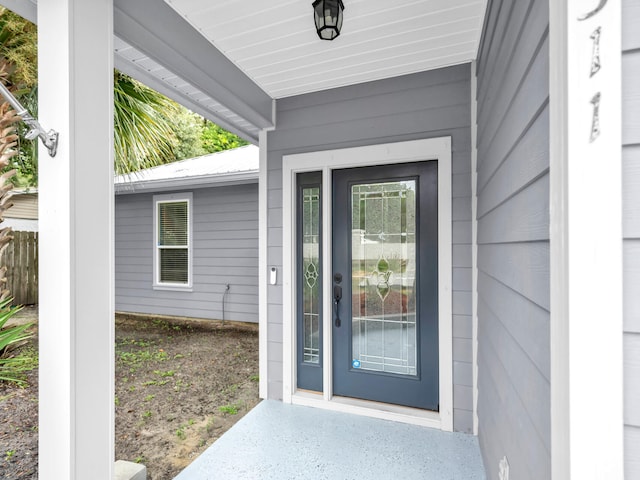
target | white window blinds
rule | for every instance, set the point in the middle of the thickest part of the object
(173, 242)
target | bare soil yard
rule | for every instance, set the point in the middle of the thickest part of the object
(179, 385)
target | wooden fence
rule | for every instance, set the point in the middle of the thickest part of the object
(21, 259)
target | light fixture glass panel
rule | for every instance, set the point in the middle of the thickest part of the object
(329, 19)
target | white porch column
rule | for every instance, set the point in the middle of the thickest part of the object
(76, 240)
(586, 240)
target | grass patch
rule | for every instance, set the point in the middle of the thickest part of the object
(155, 382)
(134, 359)
(230, 409)
(14, 368)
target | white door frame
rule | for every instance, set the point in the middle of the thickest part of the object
(438, 149)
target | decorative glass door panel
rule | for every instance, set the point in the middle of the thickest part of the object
(309, 281)
(311, 268)
(385, 283)
(383, 276)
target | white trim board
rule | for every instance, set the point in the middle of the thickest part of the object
(262, 267)
(474, 241)
(585, 242)
(391, 153)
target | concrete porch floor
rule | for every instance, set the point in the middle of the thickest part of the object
(278, 441)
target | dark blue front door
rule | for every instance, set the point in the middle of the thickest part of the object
(385, 284)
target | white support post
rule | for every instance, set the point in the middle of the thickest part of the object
(75, 60)
(474, 241)
(586, 246)
(263, 320)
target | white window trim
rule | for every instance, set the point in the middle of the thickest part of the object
(391, 153)
(169, 198)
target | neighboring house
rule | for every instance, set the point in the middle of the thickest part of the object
(23, 215)
(187, 238)
(20, 257)
(503, 135)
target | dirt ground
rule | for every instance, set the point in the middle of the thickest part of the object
(179, 385)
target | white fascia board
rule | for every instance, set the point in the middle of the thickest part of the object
(151, 81)
(202, 181)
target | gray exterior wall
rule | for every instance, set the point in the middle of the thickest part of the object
(225, 251)
(417, 106)
(513, 239)
(631, 231)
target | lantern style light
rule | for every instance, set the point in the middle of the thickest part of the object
(328, 17)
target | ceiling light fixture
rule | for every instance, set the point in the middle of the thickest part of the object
(328, 18)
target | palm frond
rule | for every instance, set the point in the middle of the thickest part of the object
(143, 134)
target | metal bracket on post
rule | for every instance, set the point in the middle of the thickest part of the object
(49, 139)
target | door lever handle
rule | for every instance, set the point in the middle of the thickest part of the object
(337, 296)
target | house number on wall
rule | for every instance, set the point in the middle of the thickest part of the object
(595, 123)
(595, 55)
(595, 68)
(594, 11)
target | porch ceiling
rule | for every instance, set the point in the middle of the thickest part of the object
(227, 60)
(276, 45)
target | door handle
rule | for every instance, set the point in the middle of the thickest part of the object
(337, 296)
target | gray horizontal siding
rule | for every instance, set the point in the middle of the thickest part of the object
(417, 106)
(225, 251)
(631, 231)
(513, 239)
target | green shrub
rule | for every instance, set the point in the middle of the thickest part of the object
(12, 367)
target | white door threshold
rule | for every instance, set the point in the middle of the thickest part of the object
(367, 408)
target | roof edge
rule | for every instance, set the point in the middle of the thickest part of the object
(200, 181)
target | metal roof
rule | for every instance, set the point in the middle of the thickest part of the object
(230, 167)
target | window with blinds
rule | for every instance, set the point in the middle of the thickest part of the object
(172, 265)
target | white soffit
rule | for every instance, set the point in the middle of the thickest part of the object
(136, 64)
(276, 45)
(139, 66)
